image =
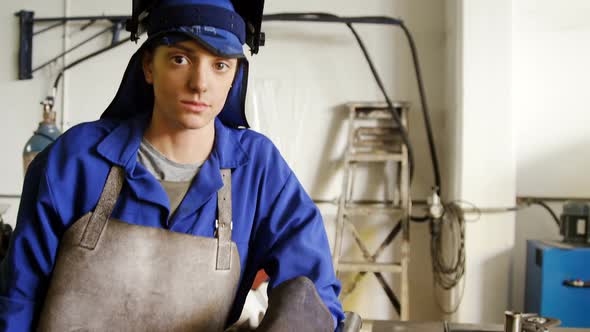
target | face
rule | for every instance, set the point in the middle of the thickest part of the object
(190, 84)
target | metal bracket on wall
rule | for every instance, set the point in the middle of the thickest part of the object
(26, 22)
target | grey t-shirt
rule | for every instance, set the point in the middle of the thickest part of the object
(174, 177)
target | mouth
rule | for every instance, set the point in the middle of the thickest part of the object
(195, 106)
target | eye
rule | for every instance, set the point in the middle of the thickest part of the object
(179, 60)
(221, 66)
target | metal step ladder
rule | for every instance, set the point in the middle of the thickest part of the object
(374, 137)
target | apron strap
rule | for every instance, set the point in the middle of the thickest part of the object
(104, 208)
(223, 224)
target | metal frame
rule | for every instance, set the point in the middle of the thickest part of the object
(27, 20)
(376, 150)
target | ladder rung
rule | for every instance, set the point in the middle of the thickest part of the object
(374, 114)
(374, 157)
(363, 105)
(356, 210)
(369, 267)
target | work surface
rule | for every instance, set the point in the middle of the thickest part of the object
(389, 326)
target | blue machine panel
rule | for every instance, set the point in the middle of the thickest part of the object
(550, 264)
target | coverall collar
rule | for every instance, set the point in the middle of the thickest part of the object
(121, 145)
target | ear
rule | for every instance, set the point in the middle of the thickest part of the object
(148, 66)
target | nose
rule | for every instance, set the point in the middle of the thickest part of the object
(198, 80)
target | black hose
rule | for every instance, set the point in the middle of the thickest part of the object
(329, 18)
(448, 274)
(425, 112)
(396, 115)
(549, 209)
(324, 17)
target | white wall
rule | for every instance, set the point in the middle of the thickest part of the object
(486, 157)
(522, 107)
(550, 79)
(298, 83)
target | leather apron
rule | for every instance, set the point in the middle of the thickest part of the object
(113, 276)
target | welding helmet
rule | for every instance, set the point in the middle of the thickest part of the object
(214, 24)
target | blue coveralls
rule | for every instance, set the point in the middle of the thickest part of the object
(276, 226)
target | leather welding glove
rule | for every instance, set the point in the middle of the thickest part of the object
(295, 306)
